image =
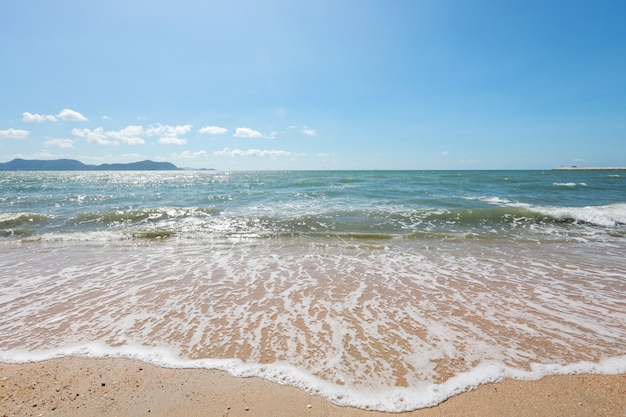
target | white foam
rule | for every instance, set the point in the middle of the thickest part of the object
(395, 399)
(393, 327)
(569, 184)
(608, 215)
(500, 201)
(91, 236)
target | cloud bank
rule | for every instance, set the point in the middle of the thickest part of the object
(134, 135)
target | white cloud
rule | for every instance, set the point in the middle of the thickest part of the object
(61, 143)
(97, 136)
(133, 135)
(37, 118)
(213, 130)
(445, 153)
(172, 140)
(252, 152)
(105, 117)
(14, 133)
(169, 134)
(71, 115)
(65, 114)
(303, 129)
(167, 130)
(246, 132)
(188, 155)
(130, 135)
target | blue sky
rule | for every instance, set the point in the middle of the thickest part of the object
(389, 84)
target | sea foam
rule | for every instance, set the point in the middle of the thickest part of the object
(396, 399)
(381, 290)
(608, 215)
(389, 327)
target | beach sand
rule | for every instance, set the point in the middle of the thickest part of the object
(123, 387)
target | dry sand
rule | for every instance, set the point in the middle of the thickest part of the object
(123, 387)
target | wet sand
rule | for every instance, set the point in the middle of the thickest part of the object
(124, 387)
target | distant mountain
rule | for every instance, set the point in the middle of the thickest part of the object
(73, 165)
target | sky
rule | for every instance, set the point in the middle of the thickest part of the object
(324, 84)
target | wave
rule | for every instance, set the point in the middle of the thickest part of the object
(393, 399)
(569, 184)
(500, 218)
(21, 224)
(610, 215)
(16, 219)
(151, 214)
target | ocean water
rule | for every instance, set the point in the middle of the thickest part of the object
(385, 290)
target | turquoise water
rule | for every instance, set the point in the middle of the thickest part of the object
(380, 204)
(387, 290)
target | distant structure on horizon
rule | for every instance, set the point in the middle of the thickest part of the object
(73, 165)
(576, 168)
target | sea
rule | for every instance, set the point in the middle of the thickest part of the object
(383, 290)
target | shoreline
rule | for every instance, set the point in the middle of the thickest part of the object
(77, 386)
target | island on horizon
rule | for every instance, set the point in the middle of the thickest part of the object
(73, 165)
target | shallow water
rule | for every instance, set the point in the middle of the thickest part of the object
(361, 297)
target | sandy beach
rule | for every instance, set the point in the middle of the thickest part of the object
(124, 387)
(388, 290)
